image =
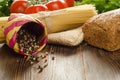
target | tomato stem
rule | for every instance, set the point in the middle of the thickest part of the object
(34, 2)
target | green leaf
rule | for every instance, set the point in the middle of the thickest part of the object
(102, 5)
(5, 7)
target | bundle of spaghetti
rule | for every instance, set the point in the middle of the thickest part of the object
(67, 18)
(3, 21)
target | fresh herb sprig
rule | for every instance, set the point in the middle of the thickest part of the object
(5, 7)
(102, 5)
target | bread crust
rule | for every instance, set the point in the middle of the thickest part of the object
(103, 30)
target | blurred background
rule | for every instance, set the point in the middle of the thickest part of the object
(101, 5)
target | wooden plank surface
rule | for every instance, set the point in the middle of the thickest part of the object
(83, 62)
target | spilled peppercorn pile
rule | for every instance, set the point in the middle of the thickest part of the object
(28, 43)
(39, 62)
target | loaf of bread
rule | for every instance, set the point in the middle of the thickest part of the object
(103, 30)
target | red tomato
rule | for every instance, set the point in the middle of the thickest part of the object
(20, 0)
(18, 6)
(56, 4)
(70, 3)
(35, 8)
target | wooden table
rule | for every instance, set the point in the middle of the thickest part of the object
(82, 62)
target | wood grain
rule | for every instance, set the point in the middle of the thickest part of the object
(82, 62)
